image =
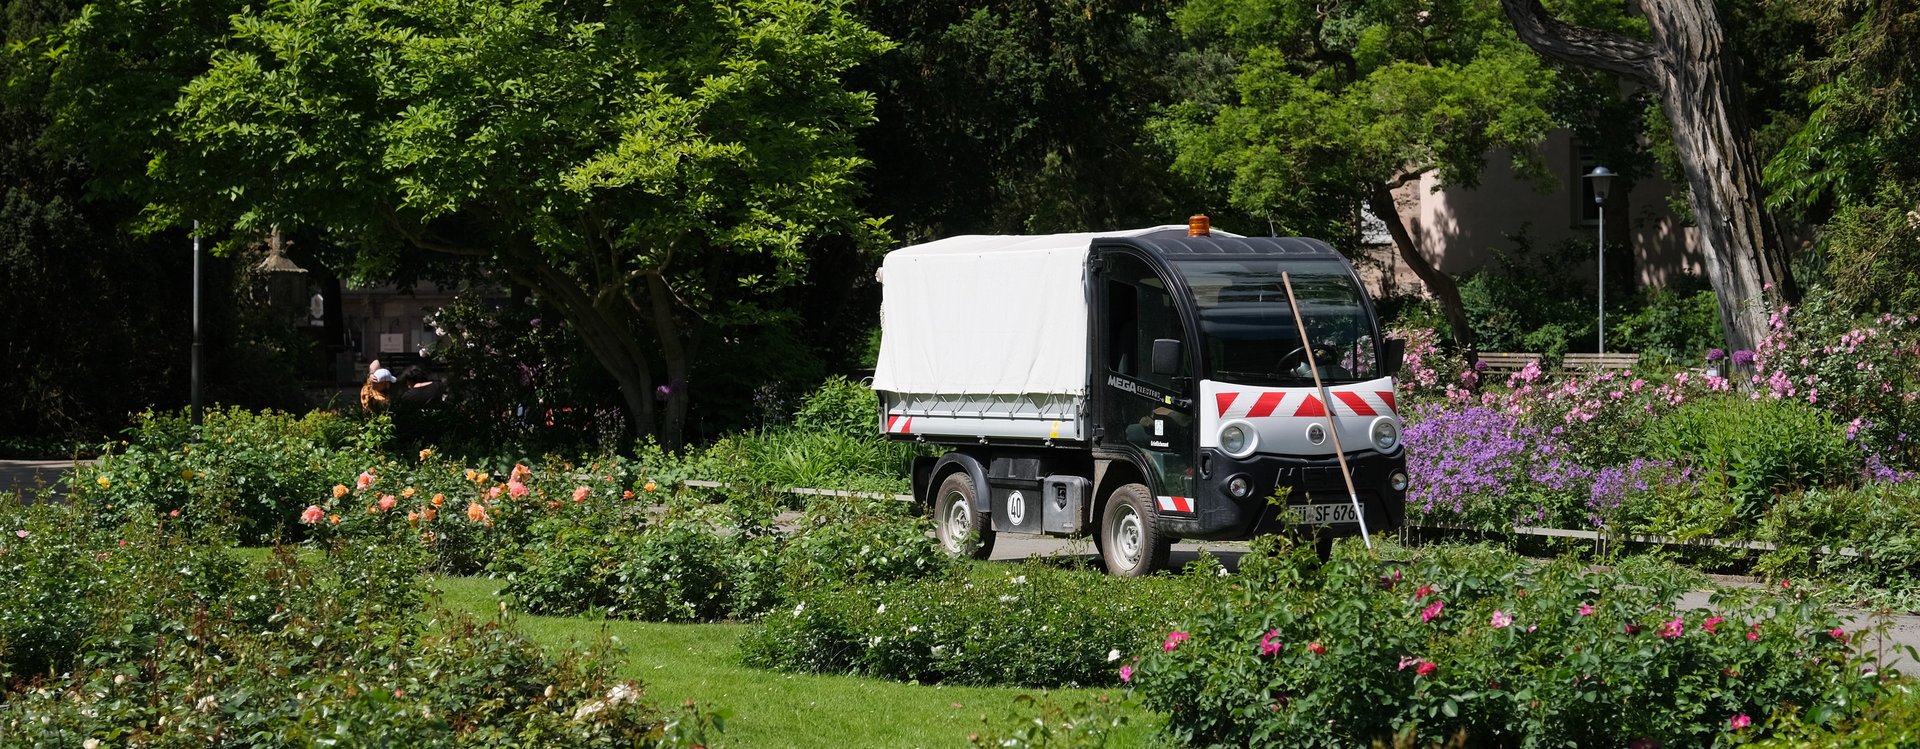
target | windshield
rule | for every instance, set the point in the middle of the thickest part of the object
(1249, 331)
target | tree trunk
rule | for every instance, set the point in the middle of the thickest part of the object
(1687, 63)
(608, 332)
(1380, 201)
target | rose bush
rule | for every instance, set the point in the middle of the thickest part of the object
(1480, 644)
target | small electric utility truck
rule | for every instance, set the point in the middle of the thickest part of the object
(1143, 386)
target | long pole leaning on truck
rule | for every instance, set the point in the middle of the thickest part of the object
(1338, 452)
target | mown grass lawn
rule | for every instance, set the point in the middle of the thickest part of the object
(678, 662)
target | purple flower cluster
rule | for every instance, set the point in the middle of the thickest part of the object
(1456, 454)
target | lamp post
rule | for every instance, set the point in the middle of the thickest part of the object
(1602, 179)
(194, 370)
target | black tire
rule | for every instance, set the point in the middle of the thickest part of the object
(1130, 540)
(961, 531)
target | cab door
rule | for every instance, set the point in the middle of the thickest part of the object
(1143, 411)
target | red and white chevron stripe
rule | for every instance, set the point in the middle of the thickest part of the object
(1260, 404)
(1175, 504)
(897, 424)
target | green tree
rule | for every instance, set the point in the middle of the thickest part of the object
(653, 170)
(1022, 116)
(1332, 106)
(1854, 162)
(1683, 54)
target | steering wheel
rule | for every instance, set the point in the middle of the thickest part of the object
(1297, 359)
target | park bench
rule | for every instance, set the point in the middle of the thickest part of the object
(1600, 361)
(1509, 362)
(1503, 362)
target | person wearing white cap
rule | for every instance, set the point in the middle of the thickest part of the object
(373, 395)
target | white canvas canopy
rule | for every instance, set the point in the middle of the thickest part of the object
(988, 315)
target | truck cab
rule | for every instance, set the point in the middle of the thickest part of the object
(1193, 411)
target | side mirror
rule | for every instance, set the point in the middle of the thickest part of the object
(1393, 353)
(1166, 356)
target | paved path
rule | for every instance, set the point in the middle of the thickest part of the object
(26, 478)
(1905, 630)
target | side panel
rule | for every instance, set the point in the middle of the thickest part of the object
(950, 417)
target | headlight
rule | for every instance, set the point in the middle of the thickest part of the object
(1386, 434)
(1238, 439)
(1398, 481)
(1239, 487)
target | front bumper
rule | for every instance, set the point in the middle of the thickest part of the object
(1218, 515)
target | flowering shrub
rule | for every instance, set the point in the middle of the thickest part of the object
(1481, 646)
(1864, 370)
(246, 474)
(1033, 625)
(1428, 371)
(303, 654)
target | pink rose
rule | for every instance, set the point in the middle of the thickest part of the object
(1712, 624)
(365, 480)
(1426, 668)
(1432, 611)
(1586, 609)
(387, 501)
(1126, 674)
(1270, 643)
(1739, 722)
(1501, 620)
(1672, 629)
(1173, 641)
(580, 494)
(312, 514)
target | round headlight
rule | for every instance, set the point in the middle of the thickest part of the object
(1239, 487)
(1386, 434)
(1238, 439)
(1398, 481)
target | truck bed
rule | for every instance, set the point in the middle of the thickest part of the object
(969, 418)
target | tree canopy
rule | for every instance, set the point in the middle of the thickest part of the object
(1331, 106)
(651, 169)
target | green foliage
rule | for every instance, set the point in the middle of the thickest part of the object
(841, 406)
(1321, 105)
(1524, 304)
(1860, 368)
(1890, 720)
(1036, 723)
(182, 653)
(1483, 643)
(242, 474)
(1748, 450)
(673, 163)
(1034, 625)
(1670, 326)
(1879, 521)
(1023, 116)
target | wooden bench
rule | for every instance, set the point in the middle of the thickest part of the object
(1601, 361)
(1504, 362)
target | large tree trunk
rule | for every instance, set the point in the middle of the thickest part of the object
(1687, 63)
(1380, 201)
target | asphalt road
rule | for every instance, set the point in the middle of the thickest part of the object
(25, 479)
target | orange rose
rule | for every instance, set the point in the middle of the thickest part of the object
(439, 499)
(649, 486)
(339, 490)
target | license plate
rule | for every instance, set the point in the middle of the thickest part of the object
(1326, 514)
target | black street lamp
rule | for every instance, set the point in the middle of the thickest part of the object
(1602, 179)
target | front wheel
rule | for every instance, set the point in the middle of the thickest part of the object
(1129, 535)
(961, 531)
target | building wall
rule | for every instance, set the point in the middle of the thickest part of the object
(1462, 229)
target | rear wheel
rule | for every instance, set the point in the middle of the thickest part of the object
(1129, 535)
(961, 531)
